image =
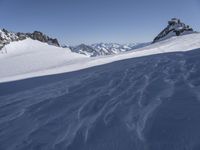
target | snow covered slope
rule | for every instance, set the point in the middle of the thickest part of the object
(29, 58)
(146, 103)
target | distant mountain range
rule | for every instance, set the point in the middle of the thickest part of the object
(174, 28)
(90, 50)
(105, 48)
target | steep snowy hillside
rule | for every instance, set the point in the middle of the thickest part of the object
(31, 58)
(146, 103)
(101, 49)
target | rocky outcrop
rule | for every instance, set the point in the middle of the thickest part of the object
(6, 37)
(175, 28)
(36, 35)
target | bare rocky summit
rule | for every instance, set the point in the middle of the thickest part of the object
(6, 37)
(175, 28)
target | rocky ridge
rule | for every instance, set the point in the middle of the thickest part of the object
(174, 28)
(6, 37)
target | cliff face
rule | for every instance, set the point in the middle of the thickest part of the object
(175, 28)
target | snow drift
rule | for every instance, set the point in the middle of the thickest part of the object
(146, 103)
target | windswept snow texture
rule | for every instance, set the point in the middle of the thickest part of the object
(146, 103)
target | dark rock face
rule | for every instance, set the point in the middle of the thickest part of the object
(36, 35)
(22, 36)
(175, 28)
(6, 37)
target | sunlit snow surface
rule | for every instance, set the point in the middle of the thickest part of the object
(29, 58)
(146, 103)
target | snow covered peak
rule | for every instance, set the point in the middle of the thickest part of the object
(84, 49)
(175, 28)
(7, 37)
(28, 56)
(111, 48)
(101, 49)
(31, 47)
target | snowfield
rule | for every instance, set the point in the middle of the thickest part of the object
(148, 99)
(145, 103)
(30, 58)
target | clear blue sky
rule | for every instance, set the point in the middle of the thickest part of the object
(91, 21)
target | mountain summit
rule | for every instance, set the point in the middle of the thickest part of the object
(175, 28)
(6, 37)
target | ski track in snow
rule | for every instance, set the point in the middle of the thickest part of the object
(105, 107)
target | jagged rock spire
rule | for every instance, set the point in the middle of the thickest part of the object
(175, 28)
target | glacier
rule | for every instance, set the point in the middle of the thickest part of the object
(144, 100)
